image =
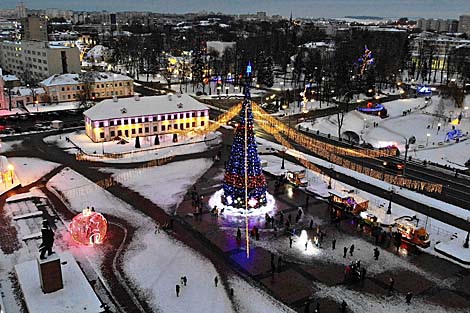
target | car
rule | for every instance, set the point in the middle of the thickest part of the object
(232, 123)
(398, 166)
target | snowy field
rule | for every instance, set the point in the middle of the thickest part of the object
(50, 107)
(7, 146)
(159, 254)
(29, 170)
(430, 144)
(164, 185)
(148, 151)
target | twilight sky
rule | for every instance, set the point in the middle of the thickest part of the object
(299, 8)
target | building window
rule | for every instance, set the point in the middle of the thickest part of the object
(155, 128)
(163, 128)
(126, 121)
(202, 113)
(146, 129)
(187, 125)
(133, 131)
(146, 120)
(187, 115)
(194, 124)
(63, 89)
(111, 123)
(139, 120)
(181, 126)
(119, 132)
(101, 124)
(140, 130)
(101, 135)
(118, 122)
(202, 123)
(133, 121)
(181, 116)
(163, 117)
(169, 127)
(113, 133)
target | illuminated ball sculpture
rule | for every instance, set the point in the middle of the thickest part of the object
(88, 228)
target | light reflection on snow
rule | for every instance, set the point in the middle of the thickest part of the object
(216, 200)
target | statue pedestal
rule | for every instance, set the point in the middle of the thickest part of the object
(50, 274)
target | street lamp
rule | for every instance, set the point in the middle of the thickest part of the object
(427, 138)
(411, 140)
(389, 209)
(466, 245)
(283, 156)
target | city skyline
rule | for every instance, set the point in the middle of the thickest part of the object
(299, 8)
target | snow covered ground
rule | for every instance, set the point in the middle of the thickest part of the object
(148, 150)
(7, 146)
(164, 185)
(430, 144)
(29, 170)
(154, 262)
(48, 107)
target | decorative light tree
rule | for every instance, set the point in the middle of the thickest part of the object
(366, 60)
(235, 180)
(88, 228)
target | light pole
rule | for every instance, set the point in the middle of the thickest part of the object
(466, 245)
(438, 127)
(411, 140)
(283, 156)
(389, 209)
(427, 138)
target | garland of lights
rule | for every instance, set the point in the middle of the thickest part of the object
(366, 60)
(276, 127)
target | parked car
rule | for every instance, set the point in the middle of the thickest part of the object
(398, 166)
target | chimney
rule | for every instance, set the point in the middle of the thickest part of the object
(137, 98)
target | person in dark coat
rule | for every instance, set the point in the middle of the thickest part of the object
(185, 280)
(408, 297)
(47, 240)
(376, 253)
(333, 244)
(216, 280)
(239, 234)
(351, 250)
(391, 283)
(343, 306)
(178, 290)
(345, 250)
(290, 242)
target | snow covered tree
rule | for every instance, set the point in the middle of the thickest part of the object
(265, 71)
(234, 178)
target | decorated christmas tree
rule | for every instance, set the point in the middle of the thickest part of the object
(234, 178)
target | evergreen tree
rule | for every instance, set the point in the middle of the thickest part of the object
(265, 71)
(137, 142)
(234, 178)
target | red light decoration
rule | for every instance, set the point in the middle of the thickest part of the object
(88, 228)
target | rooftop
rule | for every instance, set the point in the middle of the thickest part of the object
(72, 79)
(135, 106)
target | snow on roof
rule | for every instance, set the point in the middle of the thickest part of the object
(7, 78)
(72, 79)
(131, 107)
(25, 91)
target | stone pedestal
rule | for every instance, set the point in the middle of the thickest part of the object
(50, 274)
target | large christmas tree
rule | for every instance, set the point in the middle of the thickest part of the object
(234, 179)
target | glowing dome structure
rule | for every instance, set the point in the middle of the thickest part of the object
(88, 228)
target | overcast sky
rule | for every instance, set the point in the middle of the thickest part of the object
(299, 8)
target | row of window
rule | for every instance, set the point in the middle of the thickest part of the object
(146, 130)
(168, 117)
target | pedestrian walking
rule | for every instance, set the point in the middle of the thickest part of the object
(231, 292)
(345, 250)
(343, 306)
(351, 250)
(376, 253)
(216, 281)
(239, 234)
(333, 244)
(290, 242)
(177, 290)
(409, 295)
(311, 224)
(391, 282)
(185, 280)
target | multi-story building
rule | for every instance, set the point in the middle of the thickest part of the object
(21, 96)
(88, 86)
(426, 44)
(437, 25)
(146, 116)
(464, 24)
(37, 60)
(35, 28)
